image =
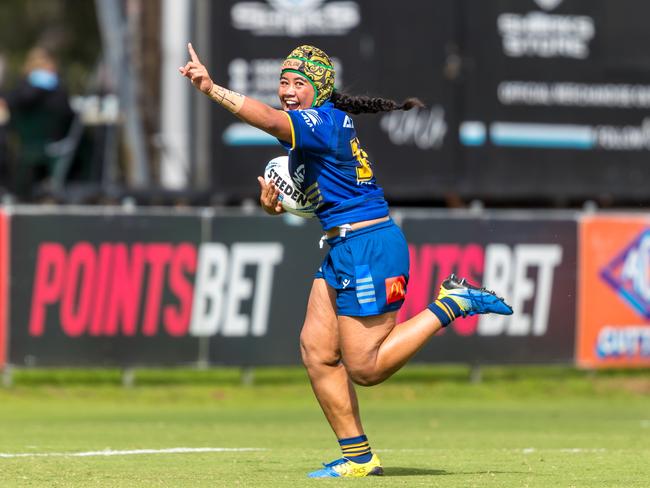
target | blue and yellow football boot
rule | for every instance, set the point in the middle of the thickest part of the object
(344, 468)
(471, 299)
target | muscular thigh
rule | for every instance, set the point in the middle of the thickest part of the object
(319, 339)
(361, 337)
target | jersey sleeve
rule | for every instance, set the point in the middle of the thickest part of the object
(311, 130)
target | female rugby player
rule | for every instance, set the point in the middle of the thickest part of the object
(350, 333)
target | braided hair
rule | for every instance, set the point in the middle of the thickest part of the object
(370, 105)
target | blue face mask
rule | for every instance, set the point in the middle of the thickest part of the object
(40, 78)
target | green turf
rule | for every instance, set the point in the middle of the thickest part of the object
(523, 427)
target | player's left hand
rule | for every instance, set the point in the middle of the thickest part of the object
(196, 72)
(269, 197)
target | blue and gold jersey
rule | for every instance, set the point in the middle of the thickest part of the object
(328, 164)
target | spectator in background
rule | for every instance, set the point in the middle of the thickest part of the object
(40, 114)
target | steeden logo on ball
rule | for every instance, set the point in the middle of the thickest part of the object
(292, 199)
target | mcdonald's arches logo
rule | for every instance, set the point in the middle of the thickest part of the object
(395, 289)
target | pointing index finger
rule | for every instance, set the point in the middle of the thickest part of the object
(193, 55)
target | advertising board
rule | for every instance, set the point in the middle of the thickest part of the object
(261, 274)
(613, 328)
(530, 262)
(4, 283)
(556, 100)
(141, 288)
(373, 56)
(155, 289)
(102, 288)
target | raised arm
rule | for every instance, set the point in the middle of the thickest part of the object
(251, 111)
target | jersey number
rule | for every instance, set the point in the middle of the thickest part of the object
(364, 170)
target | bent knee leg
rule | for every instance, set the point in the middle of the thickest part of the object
(364, 376)
(315, 355)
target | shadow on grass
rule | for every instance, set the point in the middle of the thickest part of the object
(398, 471)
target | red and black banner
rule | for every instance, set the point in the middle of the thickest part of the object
(532, 263)
(252, 287)
(146, 288)
(4, 283)
(102, 289)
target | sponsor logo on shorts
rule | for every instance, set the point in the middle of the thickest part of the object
(395, 289)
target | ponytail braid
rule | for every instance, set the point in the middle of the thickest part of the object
(370, 105)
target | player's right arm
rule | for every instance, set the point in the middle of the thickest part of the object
(251, 111)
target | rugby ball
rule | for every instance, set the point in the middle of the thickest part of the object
(292, 199)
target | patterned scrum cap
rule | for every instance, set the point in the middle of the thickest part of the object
(316, 66)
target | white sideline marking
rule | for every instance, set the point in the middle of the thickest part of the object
(111, 452)
(575, 450)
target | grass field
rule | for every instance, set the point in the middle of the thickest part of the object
(522, 427)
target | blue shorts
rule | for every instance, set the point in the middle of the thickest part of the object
(369, 269)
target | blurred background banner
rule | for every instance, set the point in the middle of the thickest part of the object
(528, 101)
(559, 91)
(530, 259)
(533, 103)
(529, 104)
(4, 278)
(614, 305)
(158, 288)
(102, 287)
(263, 288)
(373, 55)
(95, 288)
